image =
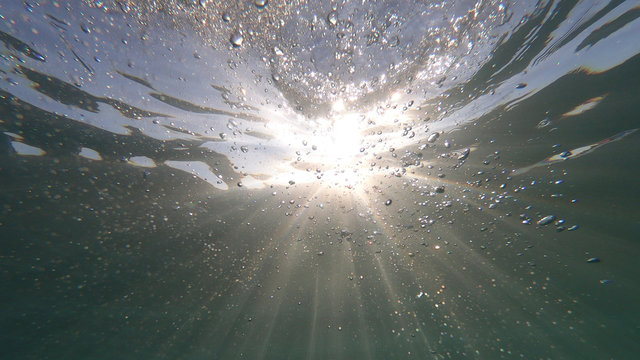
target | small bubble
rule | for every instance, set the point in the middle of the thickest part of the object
(388, 202)
(236, 39)
(261, 3)
(332, 18)
(464, 154)
(543, 123)
(546, 220)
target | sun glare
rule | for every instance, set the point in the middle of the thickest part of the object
(330, 151)
(337, 150)
(342, 141)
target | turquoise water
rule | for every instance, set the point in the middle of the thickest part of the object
(271, 180)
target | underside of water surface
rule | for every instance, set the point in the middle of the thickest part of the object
(268, 179)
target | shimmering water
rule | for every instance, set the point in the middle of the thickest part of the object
(319, 180)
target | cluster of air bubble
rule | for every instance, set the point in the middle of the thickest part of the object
(319, 52)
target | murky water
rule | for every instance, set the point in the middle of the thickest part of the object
(319, 180)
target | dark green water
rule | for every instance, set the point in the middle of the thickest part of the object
(234, 238)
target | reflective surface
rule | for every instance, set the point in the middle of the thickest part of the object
(268, 179)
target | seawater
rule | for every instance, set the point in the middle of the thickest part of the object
(319, 180)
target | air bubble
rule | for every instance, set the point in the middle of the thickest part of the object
(546, 220)
(261, 3)
(236, 39)
(332, 18)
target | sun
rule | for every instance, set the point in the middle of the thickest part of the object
(341, 149)
(342, 140)
(333, 151)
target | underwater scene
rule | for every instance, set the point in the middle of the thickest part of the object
(339, 179)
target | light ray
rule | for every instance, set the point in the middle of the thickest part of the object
(311, 347)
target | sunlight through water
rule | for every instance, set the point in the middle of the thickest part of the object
(199, 179)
